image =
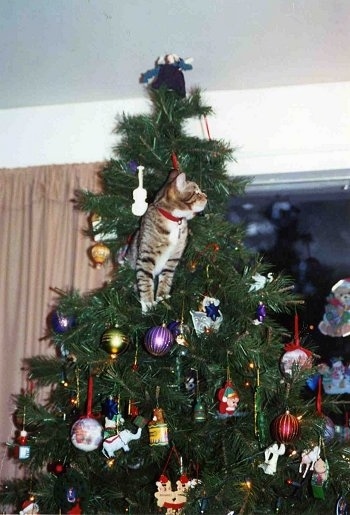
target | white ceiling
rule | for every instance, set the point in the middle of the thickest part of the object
(63, 51)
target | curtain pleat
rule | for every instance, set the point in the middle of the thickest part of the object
(42, 247)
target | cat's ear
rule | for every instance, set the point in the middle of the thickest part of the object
(180, 181)
(173, 174)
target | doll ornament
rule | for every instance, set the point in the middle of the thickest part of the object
(336, 318)
(228, 400)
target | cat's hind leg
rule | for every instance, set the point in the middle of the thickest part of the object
(145, 286)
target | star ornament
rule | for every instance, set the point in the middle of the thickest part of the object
(212, 311)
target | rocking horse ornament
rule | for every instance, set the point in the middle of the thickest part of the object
(308, 459)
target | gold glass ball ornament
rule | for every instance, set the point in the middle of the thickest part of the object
(99, 254)
(114, 341)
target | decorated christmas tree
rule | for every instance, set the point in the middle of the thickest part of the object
(180, 385)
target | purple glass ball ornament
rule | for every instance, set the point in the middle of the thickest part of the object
(61, 323)
(159, 340)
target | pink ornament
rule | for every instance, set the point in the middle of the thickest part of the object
(295, 357)
(86, 434)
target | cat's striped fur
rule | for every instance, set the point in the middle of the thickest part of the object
(159, 243)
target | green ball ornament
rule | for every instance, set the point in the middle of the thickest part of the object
(114, 341)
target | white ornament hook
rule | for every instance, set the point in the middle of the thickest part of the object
(139, 207)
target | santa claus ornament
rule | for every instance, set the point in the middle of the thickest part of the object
(86, 432)
(295, 357)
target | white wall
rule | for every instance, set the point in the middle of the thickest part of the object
(286, 129)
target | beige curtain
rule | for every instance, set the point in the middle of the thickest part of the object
(42, 247)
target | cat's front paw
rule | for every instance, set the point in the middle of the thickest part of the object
(147, 306)
(162, 298)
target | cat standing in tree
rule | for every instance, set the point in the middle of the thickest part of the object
(159, 243)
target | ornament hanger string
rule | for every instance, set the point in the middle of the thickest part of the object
(228, 374)
(157, 396)
(319, 396)
(173, 450)
(78, 386)
(296, 330)
(89, 397)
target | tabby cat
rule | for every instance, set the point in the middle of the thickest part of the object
(157, 246)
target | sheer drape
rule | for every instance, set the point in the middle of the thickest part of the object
(42, 247)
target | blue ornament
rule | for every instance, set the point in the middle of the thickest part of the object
(71, 495)
(110, 407)
(312, 382)
(261, 312)
(174, 327)
(61, 323)
(133, 165)
(212, 311)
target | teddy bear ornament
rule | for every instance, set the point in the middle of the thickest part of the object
(336, 318)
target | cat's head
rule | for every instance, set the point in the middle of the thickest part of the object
(184, 198)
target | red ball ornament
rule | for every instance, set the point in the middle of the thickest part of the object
(159, 340)
(285, 428)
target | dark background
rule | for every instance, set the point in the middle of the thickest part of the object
(307, 235)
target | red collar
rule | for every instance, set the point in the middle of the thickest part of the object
(169, 216)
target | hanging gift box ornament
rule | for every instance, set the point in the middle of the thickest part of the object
(86, 432)
(295, 357)
(114, 342)
(209, 317)
(285, 428)
(21, 449)
(319, 479)
(158, 340)
(99, 254)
